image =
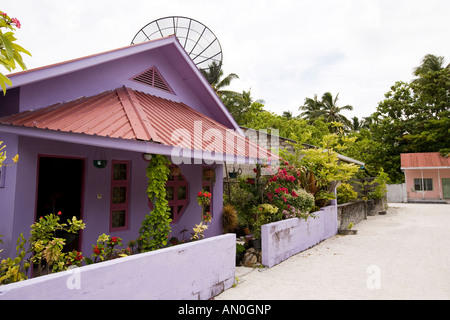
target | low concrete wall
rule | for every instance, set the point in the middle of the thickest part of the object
(283, 239)
(195, 270)
(396, 193)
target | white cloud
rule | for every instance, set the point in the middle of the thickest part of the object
(284, 50)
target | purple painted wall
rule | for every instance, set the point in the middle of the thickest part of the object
(283, 239)
(18, 210)
(109, 76)
(198, 270)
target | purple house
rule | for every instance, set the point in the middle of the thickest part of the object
(84, 128)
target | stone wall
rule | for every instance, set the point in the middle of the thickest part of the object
(195, 270)
(359, 210)
(351, 212)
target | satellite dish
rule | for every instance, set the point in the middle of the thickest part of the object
(198, 40)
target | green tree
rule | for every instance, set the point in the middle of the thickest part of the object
(327, 109)
(312, 109)
(331, 112)
(214, 76)
(414, 117)
(10, 51)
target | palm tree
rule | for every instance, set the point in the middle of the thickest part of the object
(287, 114)
(331, 112)
(430, 63)
(356, 124)
(313, 109)
(214, 76)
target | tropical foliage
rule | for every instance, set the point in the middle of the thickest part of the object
(10, 51)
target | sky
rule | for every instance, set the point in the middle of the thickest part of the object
(283, 51)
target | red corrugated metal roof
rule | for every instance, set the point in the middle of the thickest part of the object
(129, 114)
(424, 160)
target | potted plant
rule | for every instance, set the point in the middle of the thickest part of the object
(209, 173)
(174, 171)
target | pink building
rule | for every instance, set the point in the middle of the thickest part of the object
(427, 176)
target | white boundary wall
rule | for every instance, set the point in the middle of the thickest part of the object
(195, 270)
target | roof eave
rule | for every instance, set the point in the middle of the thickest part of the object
(46, 72)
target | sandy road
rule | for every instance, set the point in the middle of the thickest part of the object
(402, 255)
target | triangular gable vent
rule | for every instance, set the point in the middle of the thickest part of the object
(153, 78)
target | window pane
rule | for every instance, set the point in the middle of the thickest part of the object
(428, 184)
(417, 184)
(181, 193)
(120, 171)
(119, 194)
(118, 218)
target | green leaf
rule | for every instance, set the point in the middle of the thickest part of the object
(7, 45)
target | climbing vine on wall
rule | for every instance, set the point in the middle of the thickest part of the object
(155, 228)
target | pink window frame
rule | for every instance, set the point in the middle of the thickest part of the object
(120, 206)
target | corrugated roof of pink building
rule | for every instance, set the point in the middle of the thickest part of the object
(424, 160)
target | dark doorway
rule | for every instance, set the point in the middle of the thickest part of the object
(60, 184)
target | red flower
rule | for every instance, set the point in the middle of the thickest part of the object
(250, 181)
(200, 194)
(113, 239)
(59, 213)
(284, 199)
(294, 194)
(255, 170)
(96, 250)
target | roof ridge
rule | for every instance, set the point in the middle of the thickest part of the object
(142, 127)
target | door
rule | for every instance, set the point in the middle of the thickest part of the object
(446, 188)
(60, 184)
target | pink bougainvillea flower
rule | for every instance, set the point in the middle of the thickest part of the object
(16, 22)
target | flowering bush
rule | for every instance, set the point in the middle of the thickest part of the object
(207, 217)
(105, 249)
(284, 189)
(203, 198)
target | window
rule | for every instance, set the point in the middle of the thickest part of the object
(177, 193)
(120, 186)
(423, 184)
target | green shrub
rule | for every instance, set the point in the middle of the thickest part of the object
(345, 193)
